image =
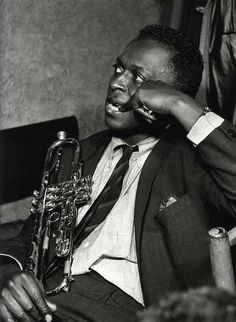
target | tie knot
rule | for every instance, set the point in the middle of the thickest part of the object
(131, 148)
(128, 150)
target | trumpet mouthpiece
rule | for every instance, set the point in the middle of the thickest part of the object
(61, 135)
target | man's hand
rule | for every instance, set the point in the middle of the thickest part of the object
(23, 299)
(155, 97)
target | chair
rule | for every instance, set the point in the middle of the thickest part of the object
(220, 243)
(22, 153)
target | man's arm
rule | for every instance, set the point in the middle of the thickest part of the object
(218, 152)
(216, 145)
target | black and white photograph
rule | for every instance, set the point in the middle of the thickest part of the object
(117, 160)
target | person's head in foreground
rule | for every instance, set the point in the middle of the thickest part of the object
(205, 304)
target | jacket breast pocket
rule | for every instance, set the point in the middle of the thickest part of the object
(186, 215)
(185, 225)
(178, 206)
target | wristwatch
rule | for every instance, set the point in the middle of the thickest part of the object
(204, 111)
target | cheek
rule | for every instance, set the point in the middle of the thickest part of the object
(124, 121)
(132, 88)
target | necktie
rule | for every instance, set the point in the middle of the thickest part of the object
(107, 198)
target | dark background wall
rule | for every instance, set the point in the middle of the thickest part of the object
(56, 55)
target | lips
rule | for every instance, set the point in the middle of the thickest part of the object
(117, 107)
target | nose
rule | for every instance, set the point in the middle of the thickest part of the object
(119, 82)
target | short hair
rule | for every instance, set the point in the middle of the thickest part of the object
(203, 304)
(185, 60)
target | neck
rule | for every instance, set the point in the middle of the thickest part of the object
(131, 139)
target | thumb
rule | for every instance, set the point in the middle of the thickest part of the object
(51, 305)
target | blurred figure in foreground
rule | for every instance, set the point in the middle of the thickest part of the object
(205, 304)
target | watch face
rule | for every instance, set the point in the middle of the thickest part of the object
(205, 110)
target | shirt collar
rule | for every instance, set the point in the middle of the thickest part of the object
(144, 146)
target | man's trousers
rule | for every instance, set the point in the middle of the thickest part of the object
(92, 298)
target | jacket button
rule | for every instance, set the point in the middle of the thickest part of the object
(231, 133)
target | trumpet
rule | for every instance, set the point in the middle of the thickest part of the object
(63, 190)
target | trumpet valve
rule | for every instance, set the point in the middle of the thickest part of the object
(35, 202)
(33, 210)
(36, 193)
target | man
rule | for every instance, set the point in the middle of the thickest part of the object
(154, 239)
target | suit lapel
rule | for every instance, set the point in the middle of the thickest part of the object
(93, 150)
(148, 174)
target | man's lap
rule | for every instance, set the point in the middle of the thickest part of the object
(92, 298)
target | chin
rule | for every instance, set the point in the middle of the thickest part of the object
(127, 133)
(121, 127)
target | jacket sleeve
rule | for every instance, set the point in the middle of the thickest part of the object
(15, 241)
(218, 153)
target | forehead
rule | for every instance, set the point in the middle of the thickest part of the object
(152, 56)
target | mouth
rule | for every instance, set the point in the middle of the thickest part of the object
(115, 107)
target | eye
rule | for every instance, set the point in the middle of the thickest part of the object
(138, 78)
(117, 69)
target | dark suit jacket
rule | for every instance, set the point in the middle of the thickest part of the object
(172, 244)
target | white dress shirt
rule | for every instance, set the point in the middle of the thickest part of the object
(110, 249)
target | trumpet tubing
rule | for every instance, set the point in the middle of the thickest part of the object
(63, 190)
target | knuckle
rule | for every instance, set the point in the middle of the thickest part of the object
(20, 315)
(24, 275)
(2, 292)
(29, 308)
(44, 310)
(36, 296)
(16, 280)
(10, 284)
(5, 293)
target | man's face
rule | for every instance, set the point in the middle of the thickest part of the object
(141, 60)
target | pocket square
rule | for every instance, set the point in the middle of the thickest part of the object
(167, 202)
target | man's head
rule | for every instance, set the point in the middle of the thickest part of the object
(157, 53)
(185, 60)
(204, 304)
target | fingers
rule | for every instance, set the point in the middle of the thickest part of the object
(22, 300)
(153, 98)
(51, 305)
(37, 298)
(5, 315)
(138, 105)
(14, 308)
(142, 110)
(146, 113)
